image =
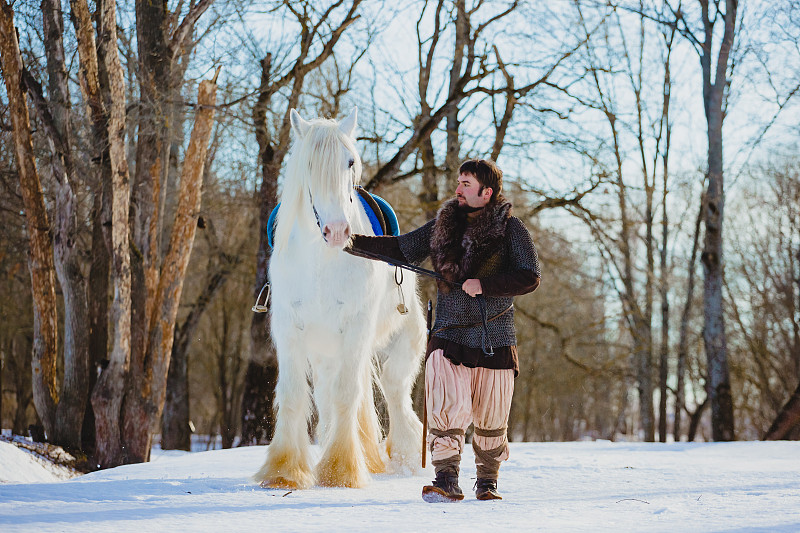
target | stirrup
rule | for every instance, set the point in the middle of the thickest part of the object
(262, 308)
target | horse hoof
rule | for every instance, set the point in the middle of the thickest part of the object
(279, 483)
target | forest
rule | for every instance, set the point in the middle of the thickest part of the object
(650, 147)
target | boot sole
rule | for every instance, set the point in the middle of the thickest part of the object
(488, 496)
(432, 494)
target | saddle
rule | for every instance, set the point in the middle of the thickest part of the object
(382, 217)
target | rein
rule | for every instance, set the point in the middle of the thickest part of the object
(402, 264)
(485, 340)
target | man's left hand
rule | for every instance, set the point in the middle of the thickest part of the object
(472, 287)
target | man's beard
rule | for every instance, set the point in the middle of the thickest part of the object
(466, 208)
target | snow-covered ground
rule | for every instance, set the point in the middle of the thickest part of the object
(582, 486)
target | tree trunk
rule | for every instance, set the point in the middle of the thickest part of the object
(98, 308)
(18, 362)
(90, 83)
(663, 363)
(152, 159)
(788, 419)
(75, 386)
(683, 336)
(720, 394)
(176, 433)
(429, 196)
(144, 401)
(175, 430)
(640, 326)
(694, 421)
(258, 419)
(664, 282)
(108, 392)
(40, 262)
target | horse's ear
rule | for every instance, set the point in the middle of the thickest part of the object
(299, 125)
(348, 125)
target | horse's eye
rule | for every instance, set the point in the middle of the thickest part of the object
(350, 163)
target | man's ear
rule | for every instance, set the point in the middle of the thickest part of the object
(487, 190)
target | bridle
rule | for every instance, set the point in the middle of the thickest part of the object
(316, 213)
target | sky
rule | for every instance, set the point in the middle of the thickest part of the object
(576, 486)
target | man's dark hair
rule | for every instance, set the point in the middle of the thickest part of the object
(486, 172)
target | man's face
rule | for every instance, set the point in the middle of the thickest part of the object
(470, 192)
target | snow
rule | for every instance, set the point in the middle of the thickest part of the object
(18, 466)
(580, 486)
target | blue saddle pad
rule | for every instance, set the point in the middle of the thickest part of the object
(389, 216)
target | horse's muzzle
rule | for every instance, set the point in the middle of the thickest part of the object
(336, 234)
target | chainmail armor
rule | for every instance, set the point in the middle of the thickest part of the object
(457, 307)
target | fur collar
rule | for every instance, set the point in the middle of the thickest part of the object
(459, 247)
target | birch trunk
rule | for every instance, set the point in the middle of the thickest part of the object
(144, 401)
(40, 262)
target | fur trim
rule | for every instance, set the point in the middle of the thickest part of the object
(458, 248)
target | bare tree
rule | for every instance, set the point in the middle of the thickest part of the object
(466, 72)
(715, 89)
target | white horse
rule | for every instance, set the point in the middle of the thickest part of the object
(335, 318)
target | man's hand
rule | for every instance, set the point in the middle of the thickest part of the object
(472, 287)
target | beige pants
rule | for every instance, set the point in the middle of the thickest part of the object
(457, 396)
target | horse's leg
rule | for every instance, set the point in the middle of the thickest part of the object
(288, 463)
(402, 357)
(342, 463)
(370, 430)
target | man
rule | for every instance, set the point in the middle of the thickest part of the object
(488, 257)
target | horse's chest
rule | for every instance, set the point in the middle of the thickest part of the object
(331, 293)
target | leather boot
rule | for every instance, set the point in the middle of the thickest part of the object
(486, 489)
(444, 488)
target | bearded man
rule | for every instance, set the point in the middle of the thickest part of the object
(471, 359)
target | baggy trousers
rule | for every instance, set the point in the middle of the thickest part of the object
(457, 396)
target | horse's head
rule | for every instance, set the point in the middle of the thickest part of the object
(324, 167)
